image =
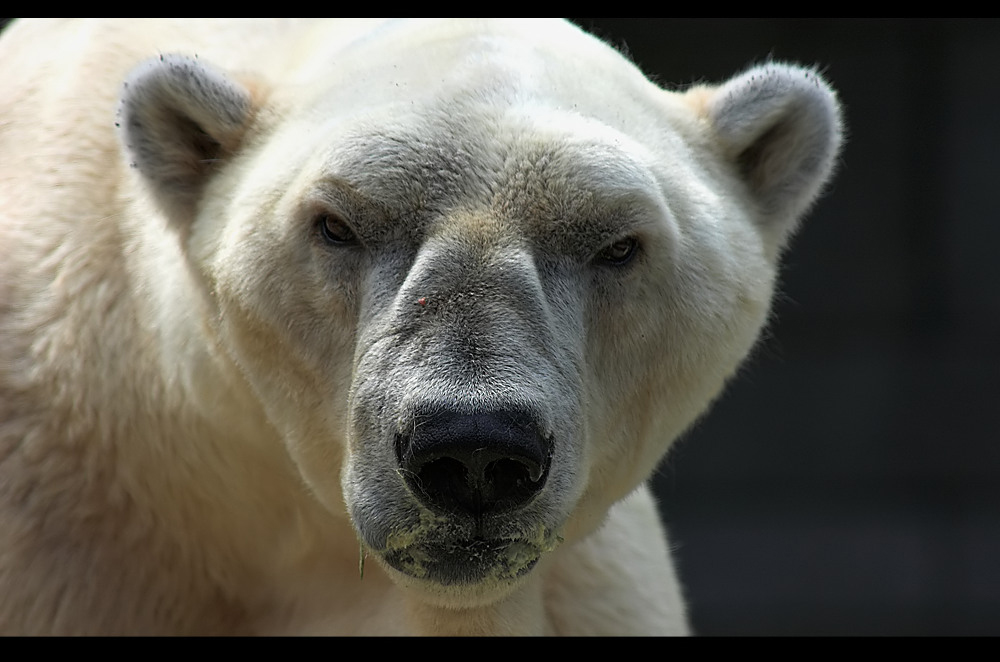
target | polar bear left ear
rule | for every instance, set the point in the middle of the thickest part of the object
(177, 119)
(781, 127)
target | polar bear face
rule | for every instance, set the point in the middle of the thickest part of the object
(479, 278)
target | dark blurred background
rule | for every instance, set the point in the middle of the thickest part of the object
(848, 482)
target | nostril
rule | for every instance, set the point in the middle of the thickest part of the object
(509, 481)
(474, 463)
(443, 482)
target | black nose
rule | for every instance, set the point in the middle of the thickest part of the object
(476, 464)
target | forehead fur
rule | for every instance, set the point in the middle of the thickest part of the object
(551, 177)
(496, 124)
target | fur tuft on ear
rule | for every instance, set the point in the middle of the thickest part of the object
(177, 118)
(781, 126)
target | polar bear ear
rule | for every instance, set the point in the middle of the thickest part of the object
(178, 118)
(781, 127)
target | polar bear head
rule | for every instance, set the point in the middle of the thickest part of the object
(478, 275)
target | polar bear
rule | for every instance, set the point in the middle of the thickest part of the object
(369, 327)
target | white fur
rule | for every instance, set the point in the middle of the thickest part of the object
(206, 407)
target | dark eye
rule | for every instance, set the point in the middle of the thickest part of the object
(619, 253)
(335, 230)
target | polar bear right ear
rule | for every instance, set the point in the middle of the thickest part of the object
(780, 126)
(178, 118)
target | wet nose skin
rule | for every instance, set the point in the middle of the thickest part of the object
(474, 464)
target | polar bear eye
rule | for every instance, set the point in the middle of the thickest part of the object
(620, 252)
(335, 230)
